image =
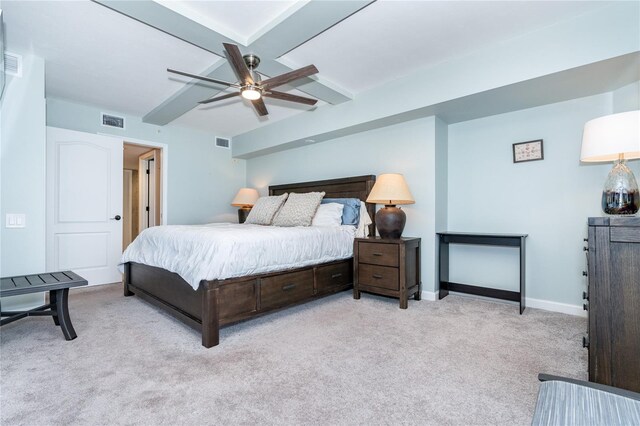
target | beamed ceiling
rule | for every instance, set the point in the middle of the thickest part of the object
(114, 54)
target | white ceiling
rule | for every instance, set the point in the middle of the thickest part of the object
(391, 39)
(97, 56)
(238, 20)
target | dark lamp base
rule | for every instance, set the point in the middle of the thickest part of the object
(243, 212)
(620, 202)
(390, 222)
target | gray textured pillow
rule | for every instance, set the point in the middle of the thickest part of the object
(299, 209)
(265, 209)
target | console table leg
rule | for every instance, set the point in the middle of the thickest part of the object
(62, 309)
(54, 306)
(522, 275)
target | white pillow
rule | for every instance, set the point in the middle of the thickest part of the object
(329, 214)
(362, 231)
(298, 210)
(265, 209)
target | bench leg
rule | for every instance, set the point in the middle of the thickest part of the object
(54, 307)
(62, 310)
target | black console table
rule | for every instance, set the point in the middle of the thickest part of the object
(508, 240)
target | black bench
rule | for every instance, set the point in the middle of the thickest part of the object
(56, 283)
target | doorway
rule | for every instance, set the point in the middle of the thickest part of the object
(142, 190)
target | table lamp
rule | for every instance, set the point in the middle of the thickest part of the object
(390, 189)
(245, 199)
(615, 138)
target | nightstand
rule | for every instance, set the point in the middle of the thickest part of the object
(387, 267)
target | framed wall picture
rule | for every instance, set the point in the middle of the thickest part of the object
(528, 151)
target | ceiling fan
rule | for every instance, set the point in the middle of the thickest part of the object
(250, 83)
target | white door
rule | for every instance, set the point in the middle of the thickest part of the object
(84, 204)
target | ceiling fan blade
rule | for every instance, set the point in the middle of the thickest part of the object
(219, 98)
(237, 63)
(287, 77)
(291, 98)
(260, 107)
(199, 77)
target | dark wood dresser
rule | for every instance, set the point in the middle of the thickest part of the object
(613, 301)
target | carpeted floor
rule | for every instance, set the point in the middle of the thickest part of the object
(457, 361)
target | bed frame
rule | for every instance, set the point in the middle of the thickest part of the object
(219, 303)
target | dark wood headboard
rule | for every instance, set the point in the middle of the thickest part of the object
(350, 187)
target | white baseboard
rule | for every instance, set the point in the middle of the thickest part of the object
(545, 305)
(431, 296)
(563, 308)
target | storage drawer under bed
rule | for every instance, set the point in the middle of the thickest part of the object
(335, 275)
(281, 290)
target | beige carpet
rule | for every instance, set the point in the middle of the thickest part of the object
(334, 361)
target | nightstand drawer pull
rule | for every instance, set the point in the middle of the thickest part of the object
(288, 287)
(336, 276)
(377, 276)
(377, 254)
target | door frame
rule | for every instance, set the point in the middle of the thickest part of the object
(147, 189)
(164, 164)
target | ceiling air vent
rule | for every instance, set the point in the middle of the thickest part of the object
(223, 142)
(112, 121)
(13, 64)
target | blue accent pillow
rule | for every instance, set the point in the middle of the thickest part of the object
(351, 211)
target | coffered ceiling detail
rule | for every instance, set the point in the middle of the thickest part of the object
(114, 54)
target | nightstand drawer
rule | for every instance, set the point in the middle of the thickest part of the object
(378, 276)
(335, 275)
(281, 290)
(378, 254)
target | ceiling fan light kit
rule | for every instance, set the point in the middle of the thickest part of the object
(251, 92)
(251, 85)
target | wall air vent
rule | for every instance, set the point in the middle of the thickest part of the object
(13, 64)
(109, 120)
(223, 142)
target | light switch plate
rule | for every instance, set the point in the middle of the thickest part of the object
(16, 220)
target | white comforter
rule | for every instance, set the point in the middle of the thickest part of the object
(226, 250)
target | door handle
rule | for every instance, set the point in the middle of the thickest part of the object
(116, 217)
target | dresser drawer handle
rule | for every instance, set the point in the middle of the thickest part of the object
(336, 276)
(288, 287)
(377, 276)
(377, 254)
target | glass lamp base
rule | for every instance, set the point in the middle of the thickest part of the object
(620, 195)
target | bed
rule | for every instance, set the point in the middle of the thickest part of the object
(223, 302)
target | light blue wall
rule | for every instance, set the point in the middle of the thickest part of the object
(23, 176)
(464, 179)
(627, 98)
(408, 148)
(549, 199)
(202, 178)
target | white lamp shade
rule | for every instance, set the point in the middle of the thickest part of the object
(245, 197)
(390, 189)
(605, 138)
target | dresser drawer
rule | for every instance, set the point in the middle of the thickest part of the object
(281, 290)
(335, 275)
(378, 254)
(378, 276)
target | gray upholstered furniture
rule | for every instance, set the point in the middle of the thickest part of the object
(563, 401)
